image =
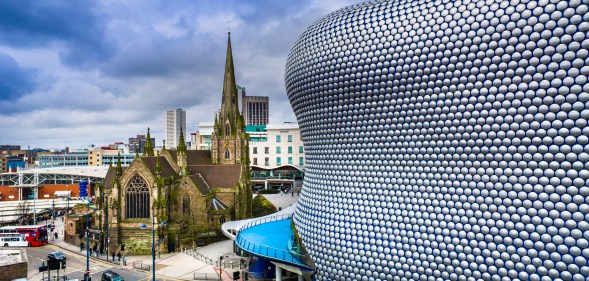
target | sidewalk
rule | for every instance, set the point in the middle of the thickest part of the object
(172, 265)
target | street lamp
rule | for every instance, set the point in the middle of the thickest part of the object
(53, 208)
(143, 226)
(105, 196)
(67, 210)
(87, 275)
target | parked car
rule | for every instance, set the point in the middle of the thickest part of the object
(110, 275)
(54, 259)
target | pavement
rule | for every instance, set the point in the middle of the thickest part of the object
(186, 265)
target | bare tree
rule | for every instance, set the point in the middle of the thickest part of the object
(23, 210)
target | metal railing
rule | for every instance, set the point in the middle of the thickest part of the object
(193, 253)
(267, 251)
(232, 263)
(264, 220)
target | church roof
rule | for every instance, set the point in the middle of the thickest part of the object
(201, 184)
(218, 176)
(194, 157)
(198, 157)
(111, 175)
(150, 163)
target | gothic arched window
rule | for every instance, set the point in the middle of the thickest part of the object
(222, 219)
(186, 205)
(137, 200)
(227, 130)
(227, 154)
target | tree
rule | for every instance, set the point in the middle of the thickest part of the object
(262, 206)
(23, 210)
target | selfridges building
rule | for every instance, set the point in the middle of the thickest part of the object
(445, 140)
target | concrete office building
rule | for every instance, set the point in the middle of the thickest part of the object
(137, 144)
(91, 157)
(74, 158)
(175, 122)
(282, 146)
(201, 139)
(255, 110)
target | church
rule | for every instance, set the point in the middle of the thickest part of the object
(192, 191)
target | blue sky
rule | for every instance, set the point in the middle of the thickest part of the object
(75, 73)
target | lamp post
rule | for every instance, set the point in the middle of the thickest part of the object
(35, 206)
(87, 239)
(143, 226)
(53, 208)
(67, 210)
(106, 221)
(84, 193)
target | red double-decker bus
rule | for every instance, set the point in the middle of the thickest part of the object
(36, 235)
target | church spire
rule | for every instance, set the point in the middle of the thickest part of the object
(229, 104)
(148, 149)
(181, 142)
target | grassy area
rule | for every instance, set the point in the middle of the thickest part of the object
(262, 206)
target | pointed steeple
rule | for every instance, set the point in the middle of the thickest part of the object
(148, 149)
(229, 104)
(181, 142)
(228, 133)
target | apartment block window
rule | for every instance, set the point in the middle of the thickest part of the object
(290, 149)
(255, 161)
(255, 150)
(301, 149)
(278, 138)
(289, 138)
(266, 161)
(301, 160)
(290, 160)
(278, 161)
(266, 150)
(278, 149)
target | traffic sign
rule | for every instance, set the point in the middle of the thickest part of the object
(83, 189)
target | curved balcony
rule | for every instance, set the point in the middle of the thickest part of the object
(272, 238)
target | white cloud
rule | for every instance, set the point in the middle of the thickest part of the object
(154, 56)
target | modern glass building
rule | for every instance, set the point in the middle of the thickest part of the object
(445, 140)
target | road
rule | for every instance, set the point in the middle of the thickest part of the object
(76, 266)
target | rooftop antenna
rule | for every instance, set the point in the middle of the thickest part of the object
(229, 27)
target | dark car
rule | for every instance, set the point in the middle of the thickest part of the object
(54, 259)
(110, 275)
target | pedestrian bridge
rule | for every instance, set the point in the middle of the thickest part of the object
(272, 239)
(61, 175)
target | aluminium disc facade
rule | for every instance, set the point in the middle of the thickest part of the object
(445, 140)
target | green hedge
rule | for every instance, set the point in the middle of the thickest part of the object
(262, 206)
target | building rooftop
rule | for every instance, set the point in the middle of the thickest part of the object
(282, 126)
(91, 171)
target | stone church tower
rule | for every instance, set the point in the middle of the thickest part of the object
(229, 141)
(193, 191)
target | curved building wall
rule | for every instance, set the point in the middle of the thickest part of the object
(445, 140)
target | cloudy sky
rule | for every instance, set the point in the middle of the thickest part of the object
(75, 73)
